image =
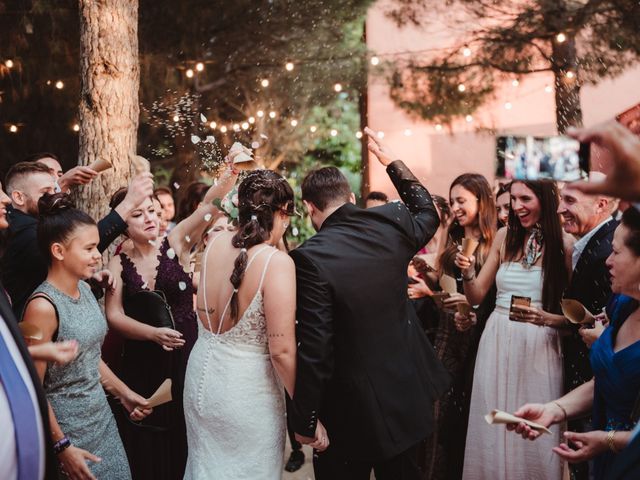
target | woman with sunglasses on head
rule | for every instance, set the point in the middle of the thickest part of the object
(519, 355)
(154, 273)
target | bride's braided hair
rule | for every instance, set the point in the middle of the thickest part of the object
(260, 195)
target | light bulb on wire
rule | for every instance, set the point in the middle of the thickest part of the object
(272, 114)
(466, 52)
(8, 63)
(76, 128)
(461, 87)
(199, 66)
(260, 113)
(469, 118)
(59, 84)
(289, 66)
(13, 128)
(333, 132)
(264, 83)
(223, 129)
(358, 134)
(189, 73)
(561, 37)
(337, 87)
(294, 123)
(213, 125)
(375, 61)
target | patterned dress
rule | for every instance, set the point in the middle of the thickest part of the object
(74, 390)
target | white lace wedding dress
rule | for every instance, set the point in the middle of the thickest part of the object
(233, 400)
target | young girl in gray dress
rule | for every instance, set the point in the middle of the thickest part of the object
(63, 308)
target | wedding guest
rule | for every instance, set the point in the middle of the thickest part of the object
(26, 448)
(503, 204)
(165, 196)
(157, 448)
(23, 266)
(375, 199)
(456, 343)
(518, 360)
(63, 308)
(615, 359)
(589, 219)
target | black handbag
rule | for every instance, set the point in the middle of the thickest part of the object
(149, 307)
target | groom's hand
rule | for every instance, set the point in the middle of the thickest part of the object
(320, 442)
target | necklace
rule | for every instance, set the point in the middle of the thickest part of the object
(533, 248)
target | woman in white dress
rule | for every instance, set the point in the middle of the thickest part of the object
(246, 349)
(520, 359)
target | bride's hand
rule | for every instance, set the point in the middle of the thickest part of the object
(168, 338)
(321, 441)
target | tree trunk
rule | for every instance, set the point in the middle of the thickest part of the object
(109, 107)
(567, 88)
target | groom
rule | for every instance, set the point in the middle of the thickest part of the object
(365, 368)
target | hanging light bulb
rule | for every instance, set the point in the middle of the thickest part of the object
(252, 120)
(461, 87)
(508, 106)
(59, 84)
(223, 129)
(288, 66)
(548, 89)
(260, 113)
(176, 118)
(466, 51)
(76, 128)
(375, 61)
(570, 75)
(264, 83)
(213, 125)
(236, 127)
(337, 87)
(313, 129)
(272, 114)
(469, 118)
(561, 37)
(8, 63)
(199, 66)
(294, 123)
(245, 125)
(438, 127)
(333, 132)
(189, 73)
(408, 132)
(380, 134)
(515, 82)
(13, 128)
(358, 134)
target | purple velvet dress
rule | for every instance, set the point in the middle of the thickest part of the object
(157, 447)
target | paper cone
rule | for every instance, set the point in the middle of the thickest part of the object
(448, 284)
(464, 309)
(100, 165)
(30, 332)
(140, 164)
(162, 395)
(498, 417)
(241, 157)
(197, 262)
(576, 312)
(439, 298)
(469, 246)
(518, 301)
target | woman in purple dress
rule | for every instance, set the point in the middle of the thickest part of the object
(157, 447)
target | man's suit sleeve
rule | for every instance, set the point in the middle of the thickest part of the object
(423, 220)
(110, 228)
(314, 333)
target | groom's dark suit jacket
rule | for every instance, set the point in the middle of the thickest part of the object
(365, 367)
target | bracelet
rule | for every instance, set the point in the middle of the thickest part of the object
(563, 410)
(61, 445)
(610, 443)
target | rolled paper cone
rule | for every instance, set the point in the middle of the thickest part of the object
(439, 298)
(30, 332)
(576, 312)
(498, 417)
(464, 309)
(448, 284)
(100, 165)
(469, 246)
(162, 395)
(140, 164)
(244, 162)
(197, 264)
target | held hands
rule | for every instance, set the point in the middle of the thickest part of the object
(168, 338)
(137, 406)
(545, 414)
(587, 445)
(73, 463)
(379, 149)
(321, 440)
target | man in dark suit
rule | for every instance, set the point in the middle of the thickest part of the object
(23, 267)
(589, 218)
(26, 449)
(365, 368)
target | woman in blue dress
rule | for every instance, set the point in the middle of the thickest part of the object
(615, 360)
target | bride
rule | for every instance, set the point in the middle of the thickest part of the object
(246, 350)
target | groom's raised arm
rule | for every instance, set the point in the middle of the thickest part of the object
(314, 334)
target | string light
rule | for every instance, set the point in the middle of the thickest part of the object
(245, 125)
(213, 125)
(466, 51)
(408, 132)
(508, 106)
(337, 87)
(223, 129)
(438, 127)
(461, 87)
(358, 134)
(189, 73)
(294, 123)
(48, 82)
(8, 63)
(176, 118)
(236, 127)
(199, 66)
(548, 89)
(252, 120)
(264, 83)
(561, 37)
(288, 66)
(13, 128)
(469, 118)
(380, 134)
(260, 113)
(76, 128)
(59, 84)
(272, 114)
(515, 83)
(570, 75)
(375, 61)
(333, 132)
(313, 129)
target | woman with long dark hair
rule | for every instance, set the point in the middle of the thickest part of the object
(519, 354)
(64, 308)
(456, 343)
(246, 350)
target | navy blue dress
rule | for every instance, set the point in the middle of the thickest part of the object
(617, 379)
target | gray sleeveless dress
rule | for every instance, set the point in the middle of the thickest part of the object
(74, 390)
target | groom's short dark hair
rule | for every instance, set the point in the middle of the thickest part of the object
(326, 187)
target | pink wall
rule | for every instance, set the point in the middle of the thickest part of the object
(438, 157)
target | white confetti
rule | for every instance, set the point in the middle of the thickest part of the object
(203, 119)
(207, 217)
(195, 139)
(152, 242)
(262, 135)
(182, 286)
(171, 253)
(176, 185)
(295, 231)
(145, 285)
(187, 238)
(255, 145)
(210, 139)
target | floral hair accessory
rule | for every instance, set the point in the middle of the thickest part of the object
(229, 205)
